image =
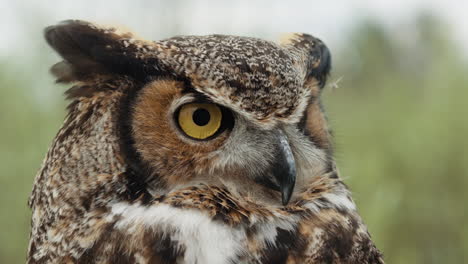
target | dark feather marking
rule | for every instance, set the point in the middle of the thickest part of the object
(162, 249)
(319, 56)
(139, 172)
(90, 51)
(285, 243)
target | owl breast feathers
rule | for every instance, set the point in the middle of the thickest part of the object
(193, 149)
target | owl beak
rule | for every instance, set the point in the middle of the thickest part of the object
(284, 169)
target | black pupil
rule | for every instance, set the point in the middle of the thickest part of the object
(201, 117)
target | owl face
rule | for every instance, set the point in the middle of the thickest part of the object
(223, 110)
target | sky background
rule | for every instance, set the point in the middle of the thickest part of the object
(23, 20)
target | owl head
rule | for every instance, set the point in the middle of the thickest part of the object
(240, 112)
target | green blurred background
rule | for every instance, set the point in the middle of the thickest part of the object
(399, 113)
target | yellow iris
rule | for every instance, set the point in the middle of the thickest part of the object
(200, 121)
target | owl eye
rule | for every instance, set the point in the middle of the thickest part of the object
(200, 120)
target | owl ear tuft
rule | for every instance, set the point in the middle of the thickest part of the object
(89, 50)
(313, 53)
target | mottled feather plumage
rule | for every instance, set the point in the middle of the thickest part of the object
(121, 183)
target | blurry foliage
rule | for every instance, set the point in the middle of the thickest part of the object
(400, 124)
(27, 128)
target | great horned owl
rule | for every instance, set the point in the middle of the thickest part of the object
(193, 149)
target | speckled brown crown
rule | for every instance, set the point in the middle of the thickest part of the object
(263, 80)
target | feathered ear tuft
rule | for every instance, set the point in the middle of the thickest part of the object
(89, 50)
(312, 52)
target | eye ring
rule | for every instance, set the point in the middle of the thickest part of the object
(202, 121)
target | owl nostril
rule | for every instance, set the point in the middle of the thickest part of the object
(201, 117)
